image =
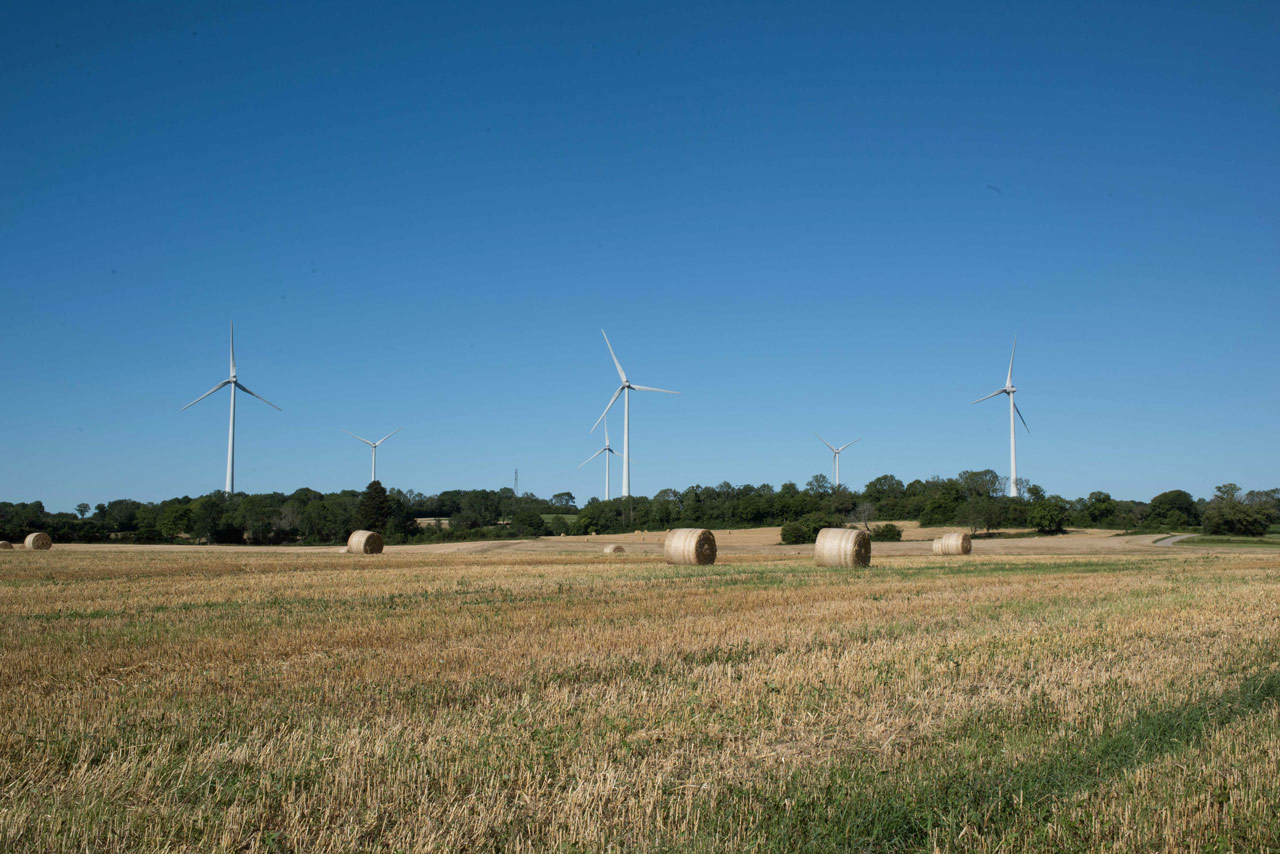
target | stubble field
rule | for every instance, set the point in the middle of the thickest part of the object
(302, 700)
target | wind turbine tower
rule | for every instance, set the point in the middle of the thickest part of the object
(1013, 407)
(606, 450)
(835, 454)
(373, 447)
(625, 390)
(231, 434)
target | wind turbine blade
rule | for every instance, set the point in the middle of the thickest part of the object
(1009, 379)
(206, 394)
(622, 374)
(233, 348)
(388, 436)
(847, 444)
(361, 438)
(606, 431)
(647, 388)
(825, 442)
(258, 396)
(988, 397)
(612, 451)
(1024, 421)
(612, 401)
(590, 458)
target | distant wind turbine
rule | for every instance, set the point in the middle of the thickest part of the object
(373, 446)
(231, 435)
(625, 391)
(835, 454)
(606, 450)
(1013, 407)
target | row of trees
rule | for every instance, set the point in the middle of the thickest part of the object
(304, 516)
(973, 498)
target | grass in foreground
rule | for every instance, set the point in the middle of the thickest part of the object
(304, 701)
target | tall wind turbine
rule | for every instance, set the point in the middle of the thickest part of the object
(1013, 407)
(373, 446)
(606, 450)
(625, 391)
(231, 434)
(835, 453)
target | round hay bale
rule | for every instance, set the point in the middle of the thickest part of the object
(364, 543)
(614, 549)
(842, 547)
(39, 541)
(953, 544)
(692, 546)
(5, 544)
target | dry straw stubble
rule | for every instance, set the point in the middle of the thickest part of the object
(531, 703)
(843, 547)
(689, 546)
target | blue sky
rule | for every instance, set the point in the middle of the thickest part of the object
(818, 216)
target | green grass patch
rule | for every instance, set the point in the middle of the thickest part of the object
(1268, 541)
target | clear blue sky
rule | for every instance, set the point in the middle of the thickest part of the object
(803, 216)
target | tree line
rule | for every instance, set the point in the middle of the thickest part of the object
(975, 499)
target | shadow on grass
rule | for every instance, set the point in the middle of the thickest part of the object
(861, 808)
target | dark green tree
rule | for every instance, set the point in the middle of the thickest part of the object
(1173, 509)
(375, 509)
(1101, 509)
(528, 523)
(1047, 515)
(83, 509)
(1227, 514)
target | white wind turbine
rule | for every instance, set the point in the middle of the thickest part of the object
(606, 450)
(231, 435)
(835, 453)
(1013, 407)
(625, 391)
(373, 446)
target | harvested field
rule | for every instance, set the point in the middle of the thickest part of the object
(294, 699)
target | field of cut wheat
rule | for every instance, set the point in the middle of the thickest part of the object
(290, 700)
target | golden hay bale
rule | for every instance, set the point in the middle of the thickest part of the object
(614, 549)
(364, 543)
(39, 541)
(5, 544)
(953, 544)
(842, 547)
(694, 546)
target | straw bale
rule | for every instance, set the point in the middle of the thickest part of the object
(953, 544)
(5, 544)
(692, 546)
(364, 543)
(843, 547)
(39, 541)
(613, 549)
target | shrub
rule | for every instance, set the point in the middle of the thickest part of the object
(806, 528)
(886, 533)
(1047, 515)
(528, 523)
(1234, 518)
